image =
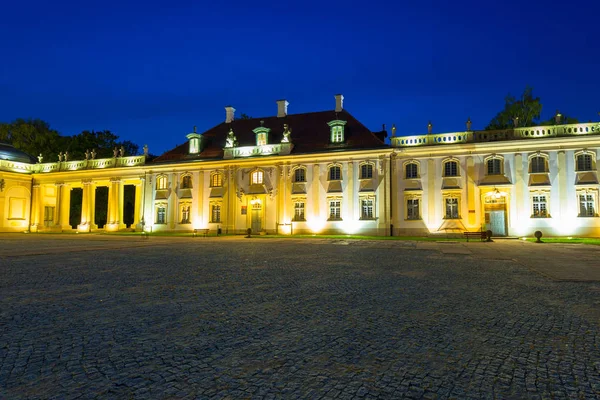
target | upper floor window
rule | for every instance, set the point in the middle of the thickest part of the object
(300, 175)
(411, 170)
(337, 131)
(216, 180)
(584, 162)
(494, 166)
(161, 182)
(186, 182)
(366, 171)
(256, 178)
(538, 165)
(261, 139)
(450, 168)
(335, 173)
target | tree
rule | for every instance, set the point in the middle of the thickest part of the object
(245, 116)
(527, 109)
(33, 136)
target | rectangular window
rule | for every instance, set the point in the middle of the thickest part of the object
(300, 175)
(215, 213)
(366, 171)
(335, 210)
(261, 139)
(540, 209)
(451, 168)
(587, 205)
(216, 180)
(299, 211)
(494, 167)
(584, 162)
(257, 178)
(411, 171)
(335, 173)
(161, 215)
(48, 216)
(366, 209)
(451, 208)
(412, 209)
(186, 182)
(185, 214)
(538, 165)
(337, 135)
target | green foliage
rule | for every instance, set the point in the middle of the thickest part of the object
(245, 116)
(35, 136)
(527, 109)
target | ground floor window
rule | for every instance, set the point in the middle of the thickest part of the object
(451, 208)
(335, 210)
(539, 204)
(412, 209)
(299, 210)
(161, 214)
(366, 208)
(215, 213)
(587, 204)
(185, 213)
(48, 216)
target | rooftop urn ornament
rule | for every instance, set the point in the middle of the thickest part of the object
(146, 150)
(469, 124)
(429, 127)
(393, 130)
(287, 132)
(516, 122)
(557, 117)
(231, 139)
(40, 158)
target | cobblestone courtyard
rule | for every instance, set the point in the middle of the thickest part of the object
(120, 317)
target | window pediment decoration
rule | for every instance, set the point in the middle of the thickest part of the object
(337, 131)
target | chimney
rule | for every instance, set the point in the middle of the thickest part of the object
(229, 114)
(282, 108)
(339, 102)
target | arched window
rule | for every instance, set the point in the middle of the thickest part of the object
(450, 168)
(216, 180)
(300, 175)
(411, 170)
(335, 173)
(161, 182)
(584, 162)
(366, 171)
(256, 178)
(186, 182)
(538, 164)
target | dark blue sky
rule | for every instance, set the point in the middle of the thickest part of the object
(150, 71)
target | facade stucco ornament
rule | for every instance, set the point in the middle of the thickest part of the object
(287, 134)
(40, 158)
(231, 140)
(2, 185)
(239, 193)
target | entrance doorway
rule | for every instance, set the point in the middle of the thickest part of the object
(495, 215)
(256, 216)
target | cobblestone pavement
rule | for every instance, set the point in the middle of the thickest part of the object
(250, 318)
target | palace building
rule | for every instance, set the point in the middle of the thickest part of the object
(320, 173)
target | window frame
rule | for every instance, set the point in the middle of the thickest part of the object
(161, 216)
(497, 166)
(257, 177)
(186, 181)
(444, 170)
(302, 171)
(536, 204)
(330, 172)
(215, 211)
(334, 216)
(406, 170)
(370, 209)
(591, 197)
(368, 168)
(185, 208)
(446, 203)
(216, 180)
(296, 216)
(592, 161)
(162, 182)
(408, 215)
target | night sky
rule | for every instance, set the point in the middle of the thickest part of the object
(150, 71)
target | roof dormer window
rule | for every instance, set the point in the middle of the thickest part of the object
(195, 142)
(337, 131)
(262, 135)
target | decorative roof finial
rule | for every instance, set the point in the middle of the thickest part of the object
(429, 127)
(469, 124)
(393, 130)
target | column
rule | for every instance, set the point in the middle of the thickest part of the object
(350, 191)
(121, 204)
(172, 203)
(472, 218)
(393, 187)
(112, 224)
(35, 223)
(316, 193)
(87, 212)
(385, 216)
(137, 203)
(563, 192)
(431, 221)
(58, 204)
(65, 208)
(198, 201)
(519, 212)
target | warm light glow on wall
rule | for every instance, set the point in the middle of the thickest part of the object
(568, 224)
(316, 224)
(351, 226)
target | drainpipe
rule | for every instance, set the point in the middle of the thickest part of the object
(30, 206)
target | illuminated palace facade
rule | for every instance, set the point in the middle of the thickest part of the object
(320, 173)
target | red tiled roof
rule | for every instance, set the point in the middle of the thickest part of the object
(310, 133)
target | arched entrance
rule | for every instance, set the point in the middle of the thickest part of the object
(495, 213)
